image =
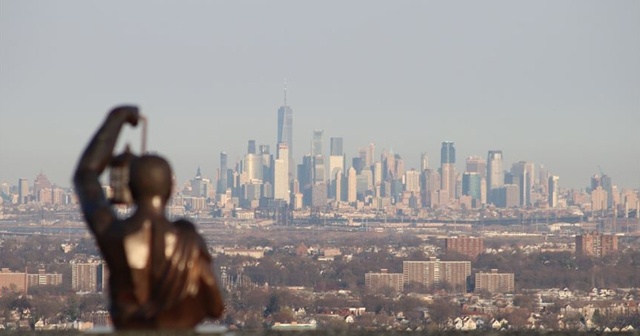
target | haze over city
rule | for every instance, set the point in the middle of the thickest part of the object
(554, 83)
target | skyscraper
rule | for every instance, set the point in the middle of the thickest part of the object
(553, 191)
(336, 147)
(412, 181)
(222, 174)
(495, 173)
(607, 185)
(447, 168)
(23, 191)
(251, 147)
(281, 174)
(316, 143)
(476, 164)
(351, 185)
(525, 175)
(471, 185)
(336, 164)
(424, 162)
(285, 132)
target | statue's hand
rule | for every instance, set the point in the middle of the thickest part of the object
(126, 113)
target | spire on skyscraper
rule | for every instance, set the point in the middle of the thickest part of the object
(285, 92)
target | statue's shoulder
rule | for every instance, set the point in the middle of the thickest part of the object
(184, 225)
(187, 231)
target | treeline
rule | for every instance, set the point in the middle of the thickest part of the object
(565, 269)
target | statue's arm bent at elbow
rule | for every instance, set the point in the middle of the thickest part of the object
(94, 160)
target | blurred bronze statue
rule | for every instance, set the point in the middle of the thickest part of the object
(161, 273)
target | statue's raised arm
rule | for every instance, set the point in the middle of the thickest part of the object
(94, 160)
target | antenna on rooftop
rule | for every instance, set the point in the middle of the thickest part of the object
(285, 92)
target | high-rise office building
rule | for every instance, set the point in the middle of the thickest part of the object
(553, 191)
(447, 168)
(251, 147)
(23, 191)
(222, 174)
(472, 186)
(476, 164)
(352, 185)
(336, 147)
(336, 162)
(41, 182)
(495, 173)
(316, 143)
(318, 169)
(285, 134)
(507, 196)
(424, 162)
(377, 173)
(607, 185)
(524, 172)
(371, 154)
(253, 167)
(267, 163)
(412, 181)
(281, 174)
(599, 198)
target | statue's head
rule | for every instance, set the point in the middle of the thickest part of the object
(150, 176)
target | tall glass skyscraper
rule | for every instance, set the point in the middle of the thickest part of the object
(222, 174)
(316, 142)
(336, 146)
(495, 173)
(285, 131)
(447, 169)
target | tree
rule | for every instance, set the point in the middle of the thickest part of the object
(442, 309)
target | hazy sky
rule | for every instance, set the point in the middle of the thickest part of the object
(553, 82)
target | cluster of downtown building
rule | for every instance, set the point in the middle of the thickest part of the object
(329, 180)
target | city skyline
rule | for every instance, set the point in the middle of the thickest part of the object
(550, 83)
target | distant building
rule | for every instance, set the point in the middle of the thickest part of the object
(281, 174)
(412, 181)
(495, 173)
(257, 254)
(335, 148)
(525, 173)
(44, 279)
(507, 196)
(316, 143)
(374, 282)
(13, 280)
(472, 186)
(469, 246)
(447, 168)
(476, 164)
(435, 273)
(351, 185)
(285, 136)
(23, 191)
(596, 244)
(553, 191)
(599, 199)
(495, 282)
(87, 276)
(41, 182)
